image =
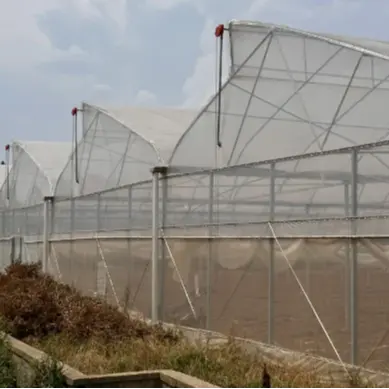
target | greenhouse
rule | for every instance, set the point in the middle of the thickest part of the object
(245, 213)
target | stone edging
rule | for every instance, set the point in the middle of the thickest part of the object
(75, 378)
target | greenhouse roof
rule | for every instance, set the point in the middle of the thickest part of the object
(161, 126)
(365, 45)
(50, 157)
(290, 92)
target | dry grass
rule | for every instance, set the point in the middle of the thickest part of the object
(225, 365)
(95, 338)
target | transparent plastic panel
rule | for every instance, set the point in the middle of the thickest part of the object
(128, 272)
(217, 284)
(88, 117)
(278, 104)
(310, 281)
(124, 210)
(109, 155)
(33, 221)
(187, 200)
(312, 187)
(75, 262)
(141, 206)
(63, 221)
(113, 210)
(373, 181)
(27, 183)
(372, 286)
(84, 211)
(316, 186)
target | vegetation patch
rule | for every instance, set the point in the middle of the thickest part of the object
(96, 338)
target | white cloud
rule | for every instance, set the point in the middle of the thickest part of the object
(255, 8)
(20, 38)
(102, 87)
(145, 97)
(165, 4)
(202, 83)
(26, 45)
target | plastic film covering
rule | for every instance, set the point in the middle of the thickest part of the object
(312, 186)
(101, 243)
(120, 146)
(227, 270)
(310, 93)
(240, 252)
(35, 170)
(161, 126)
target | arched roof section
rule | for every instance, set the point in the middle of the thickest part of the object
(291, 92)
(36, 167)
(120, 145)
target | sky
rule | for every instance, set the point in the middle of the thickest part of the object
(57, 53)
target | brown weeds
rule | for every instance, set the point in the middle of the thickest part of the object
(35, 305)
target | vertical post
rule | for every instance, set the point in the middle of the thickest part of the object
(308, 260)
(210, 251)
(162, 262)
(46, 232)
(98, 215)
(72, 228)
(272, 202)
(347, 264)
(354, 260)
(4, 215)
(132, 260)
(26, 221)
(155, 244)
(129, 207)
(52, 222)
(72, 214)
(13, 217)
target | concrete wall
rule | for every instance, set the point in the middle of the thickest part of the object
(26, 357)
(142, 379)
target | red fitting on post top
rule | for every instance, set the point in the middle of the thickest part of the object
(6, 147)
(219, 30)
(74, 111)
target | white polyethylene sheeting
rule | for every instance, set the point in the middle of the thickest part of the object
(293, 93)
(290, 94)
(121, 145)
(36, 167)
(161, 126)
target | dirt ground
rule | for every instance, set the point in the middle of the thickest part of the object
(239, 299)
